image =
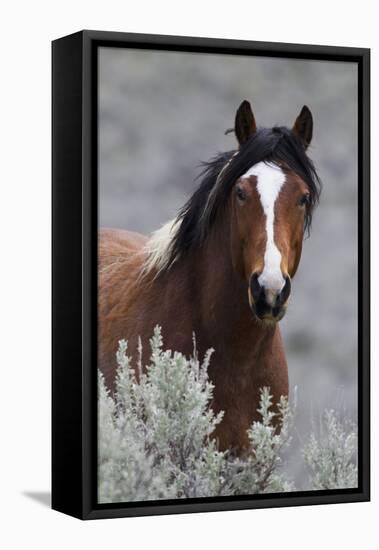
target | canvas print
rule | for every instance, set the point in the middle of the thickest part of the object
(227, 275)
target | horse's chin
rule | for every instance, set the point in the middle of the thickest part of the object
(270, 320)
(267, 321)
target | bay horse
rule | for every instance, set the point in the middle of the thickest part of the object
(222, 269)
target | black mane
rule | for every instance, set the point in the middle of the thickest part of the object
(278, 145)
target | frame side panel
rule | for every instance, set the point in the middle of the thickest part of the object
(67, 275)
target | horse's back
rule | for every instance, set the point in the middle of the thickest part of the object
(120, 259)
(116, 245)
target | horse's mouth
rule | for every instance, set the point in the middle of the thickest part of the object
(271, 317)
(268, 306)
(265, 313)
(275, 317)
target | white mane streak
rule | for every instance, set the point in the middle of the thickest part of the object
(157, 248)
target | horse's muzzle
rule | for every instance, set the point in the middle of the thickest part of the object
(270, 309)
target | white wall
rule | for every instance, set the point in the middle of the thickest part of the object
(27, 28)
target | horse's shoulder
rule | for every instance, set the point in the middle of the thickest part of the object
(116, 245)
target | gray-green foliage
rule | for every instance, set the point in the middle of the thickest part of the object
(332, 456)
(155, 436)
(259, 470)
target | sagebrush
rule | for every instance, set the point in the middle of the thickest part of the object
(154, 439)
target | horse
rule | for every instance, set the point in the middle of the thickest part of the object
(222, 270)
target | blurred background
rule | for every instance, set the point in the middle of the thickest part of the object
(162, 113)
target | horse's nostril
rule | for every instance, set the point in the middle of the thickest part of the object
(285, 292)
(255, 287)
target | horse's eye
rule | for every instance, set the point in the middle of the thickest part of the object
(241, 195)
(304, 201)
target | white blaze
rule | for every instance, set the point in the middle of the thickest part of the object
(270, 179)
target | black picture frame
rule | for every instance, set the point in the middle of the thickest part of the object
(74, 271)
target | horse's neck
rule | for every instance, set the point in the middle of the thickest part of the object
(212, 301)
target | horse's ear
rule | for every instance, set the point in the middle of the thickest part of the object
(244, 126)
(303, 126)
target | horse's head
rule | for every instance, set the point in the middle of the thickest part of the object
(271, 205)
(269, 187)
